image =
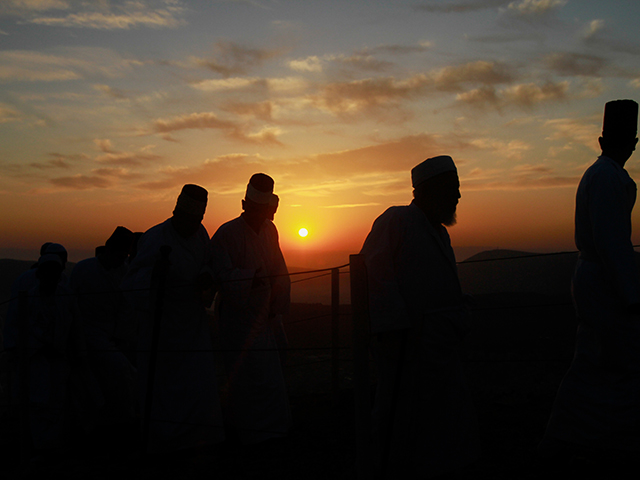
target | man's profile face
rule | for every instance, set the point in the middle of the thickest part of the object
(257, 211)
(186, 224)
(438, 197)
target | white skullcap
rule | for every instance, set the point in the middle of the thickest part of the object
(255, 195)
(260, 190)
(430, 168)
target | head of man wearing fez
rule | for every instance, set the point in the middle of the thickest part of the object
(619, 129)
(436, 189)
(189, 210)
(116, 248)
(259, 204)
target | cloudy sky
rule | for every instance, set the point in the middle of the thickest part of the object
(108, 107)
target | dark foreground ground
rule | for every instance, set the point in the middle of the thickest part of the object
(515, 359)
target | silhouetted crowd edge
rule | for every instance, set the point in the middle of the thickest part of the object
(125, 341)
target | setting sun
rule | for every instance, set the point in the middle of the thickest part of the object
(303, 232)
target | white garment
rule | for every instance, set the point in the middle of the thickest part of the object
(101, 305)
(186, 407)
(258, 406)
(414, 288)
(598, 402)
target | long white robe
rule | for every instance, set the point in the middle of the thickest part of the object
(101, 304)
(414, 287)
(185, 411)
(258, 406)
(598, 403)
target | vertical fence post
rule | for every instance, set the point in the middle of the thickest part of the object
(158, 282)
(24, 371)
(335, 334)
(361, 388)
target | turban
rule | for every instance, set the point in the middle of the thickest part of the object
(260, 190)
(192, 200)
(430, 168)
(620, 120)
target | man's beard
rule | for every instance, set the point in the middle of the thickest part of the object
(450, 219)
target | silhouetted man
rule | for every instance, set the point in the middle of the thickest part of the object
(24, 283)
(185, 410)
(423, 418)
(598, 403)
(54, 346)
(254, 295)
(96, 281)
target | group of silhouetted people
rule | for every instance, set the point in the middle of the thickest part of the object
(110, 345)
(82, 331)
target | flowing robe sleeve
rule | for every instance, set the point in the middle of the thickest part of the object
(387, 307)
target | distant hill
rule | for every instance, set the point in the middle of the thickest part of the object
(495, 271)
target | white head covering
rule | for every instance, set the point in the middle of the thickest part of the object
(263, 196)
(430, 168)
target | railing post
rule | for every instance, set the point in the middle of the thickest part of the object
(361, 387)
(24, 371)
(158, 281)
(335, 334)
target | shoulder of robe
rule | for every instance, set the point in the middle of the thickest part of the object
(227, 228)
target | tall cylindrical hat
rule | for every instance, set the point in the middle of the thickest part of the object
(620, 120)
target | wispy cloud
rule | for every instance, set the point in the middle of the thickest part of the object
(209, 120)
(101, 15)
(461, 6)
(573, 64)
(513, 149)
(18, 7)
(421, 47)
(230, 58)
(283, 84)
(111, 92)
(480, 72)
(65, 64)
(362, 61)
(584, 131)
(259, 110)
(524, 95)
(123, 158)
(82, 182)
(593, 27)
(524, 176)
(378, 93)
(8, 114)
(117, 173)
(534, 9)
(312, 63)
(56, 163)
(199, 121)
